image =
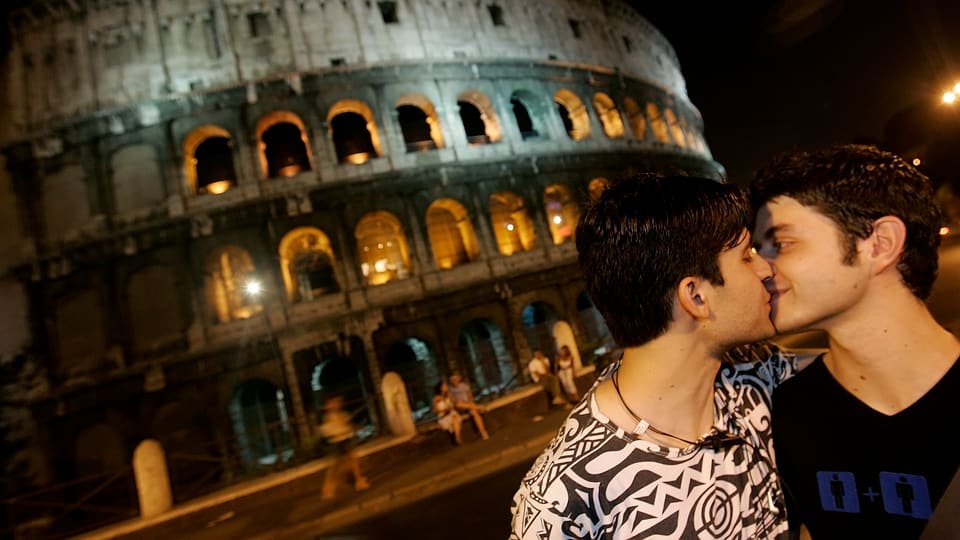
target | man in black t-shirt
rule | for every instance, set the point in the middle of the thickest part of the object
(863, 436)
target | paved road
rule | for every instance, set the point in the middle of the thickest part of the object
(479, 510)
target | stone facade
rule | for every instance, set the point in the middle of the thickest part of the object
(400, 179)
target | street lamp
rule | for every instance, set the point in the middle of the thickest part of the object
(255, 290)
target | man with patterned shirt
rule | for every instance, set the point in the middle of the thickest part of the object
(671, 442)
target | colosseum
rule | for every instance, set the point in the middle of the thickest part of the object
(216, 213)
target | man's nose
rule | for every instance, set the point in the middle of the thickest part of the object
(763, 268)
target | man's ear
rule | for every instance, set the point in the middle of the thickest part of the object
(692, 298)
(886, 242)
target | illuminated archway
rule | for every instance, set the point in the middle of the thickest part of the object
(382, 247)
(511, 223)
(283, 145)
(596, 187)
(562, 212)
(419, 123)
(657, 123)
(572, 111)
(227, 271)
(479, 118)
(675, 128)
(354, 131)
(306, 261)
(208, 160)
(451, 234)
(609, 115)
(638, 123)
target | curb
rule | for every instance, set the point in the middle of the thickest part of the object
(414, 492)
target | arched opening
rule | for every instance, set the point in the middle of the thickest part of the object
(525, 112)
(155, 310)
(596, 187)
(609, 115)
(283, 144)
(638, 122)
(573, 113)
(486, 357)
(98, 449)
(562, 213)
(596, 336)
(511, 223)
(451, 235)
(416, 363)
(472, 124)
(479, 118)
(382, 247)
(335, 374)
(208, 160)
(675, 128)
(657, 123)
(260, 423)
(538, 320)
(227, 271)
(354, 131)
(419, 123)
(306, 261)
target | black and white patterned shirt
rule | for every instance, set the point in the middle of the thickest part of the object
(597, 481)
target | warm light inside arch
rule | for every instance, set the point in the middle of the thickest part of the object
(609, 115)
(511, 223)
(576, 111)
(190, 143)
(451, 234)
(638, 122)
(300, 242)
(491, 123)
(382, 247)
(271, 119)
(425, 105)
(562, 211)
(358, 107)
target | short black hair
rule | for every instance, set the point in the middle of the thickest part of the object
(854, 185)
(644, 235)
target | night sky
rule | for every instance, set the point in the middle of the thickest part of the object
(777, 75)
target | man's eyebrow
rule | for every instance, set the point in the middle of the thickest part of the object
(774, 229)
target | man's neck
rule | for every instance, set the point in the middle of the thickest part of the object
(668, 382)
(889, 351)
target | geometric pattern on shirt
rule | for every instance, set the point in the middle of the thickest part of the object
(595, 481)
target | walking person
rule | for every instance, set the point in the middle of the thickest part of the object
(340, 435)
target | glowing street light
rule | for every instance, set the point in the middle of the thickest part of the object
(253, 287)
(916, 162)
(949, 97)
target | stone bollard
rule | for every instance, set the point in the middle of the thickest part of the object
(397, 405)
(153, 482)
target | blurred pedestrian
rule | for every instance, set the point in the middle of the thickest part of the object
(339, 433)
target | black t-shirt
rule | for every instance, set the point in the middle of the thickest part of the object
(852, 472)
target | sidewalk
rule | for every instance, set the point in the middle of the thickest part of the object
(401, 471)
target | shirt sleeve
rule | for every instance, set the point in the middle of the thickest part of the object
(768, 362)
